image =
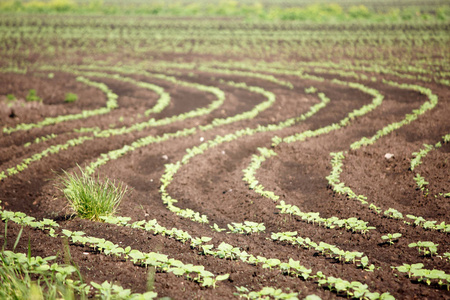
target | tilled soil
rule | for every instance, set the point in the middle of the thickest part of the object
(211, 183)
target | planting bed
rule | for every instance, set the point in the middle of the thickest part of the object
(313, 140)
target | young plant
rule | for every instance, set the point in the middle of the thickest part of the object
(391, 238)
(375, 208)
(393, 214)
(107, 290)
(71, 97)
(310, 90)
(216, 227)
(427, 248)
(32, 96)
(421, 183)
(418, 221)
(447, 256)
(91, 198)
(267, 293)
(409, 269)
(247, 228)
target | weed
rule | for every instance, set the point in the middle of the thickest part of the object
(91, 198)
(71, 97)
(33, 97)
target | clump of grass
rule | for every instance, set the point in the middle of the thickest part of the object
(11, 97)
(32, 96)
(71, 97)
(91, 197)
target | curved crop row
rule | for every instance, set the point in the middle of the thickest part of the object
(157, 260)
(111, 104)
(118, 131)
(417, 160)
(337, 162)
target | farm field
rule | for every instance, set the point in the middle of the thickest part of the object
(264, 158)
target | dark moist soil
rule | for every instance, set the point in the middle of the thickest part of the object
(212, 183)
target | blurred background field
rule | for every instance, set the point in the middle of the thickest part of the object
(319, 10)
(383, 32)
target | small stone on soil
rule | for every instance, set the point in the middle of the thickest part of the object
(388, 155)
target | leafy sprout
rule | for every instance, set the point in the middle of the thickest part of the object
(391, 237)
(425, 247)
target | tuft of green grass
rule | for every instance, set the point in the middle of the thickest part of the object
(91, 197)
(11, 97)
(71, 97)
(32, 96)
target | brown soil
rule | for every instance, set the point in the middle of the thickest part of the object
(212, 182)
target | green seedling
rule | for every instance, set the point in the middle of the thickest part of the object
(391, 238)
(393, 214)
(426, 248)
(375, 208)
(216, 227)
(447, 256)
(267, 293)
(246, 228)
(421, 183)
(211, 281)
(121, 221)
(418, 221)
(271, 263)
(416, 161)
(108, 290)
(446, 138)
(310, 90)
(323, 248)
(197, 242)
(417, 272)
